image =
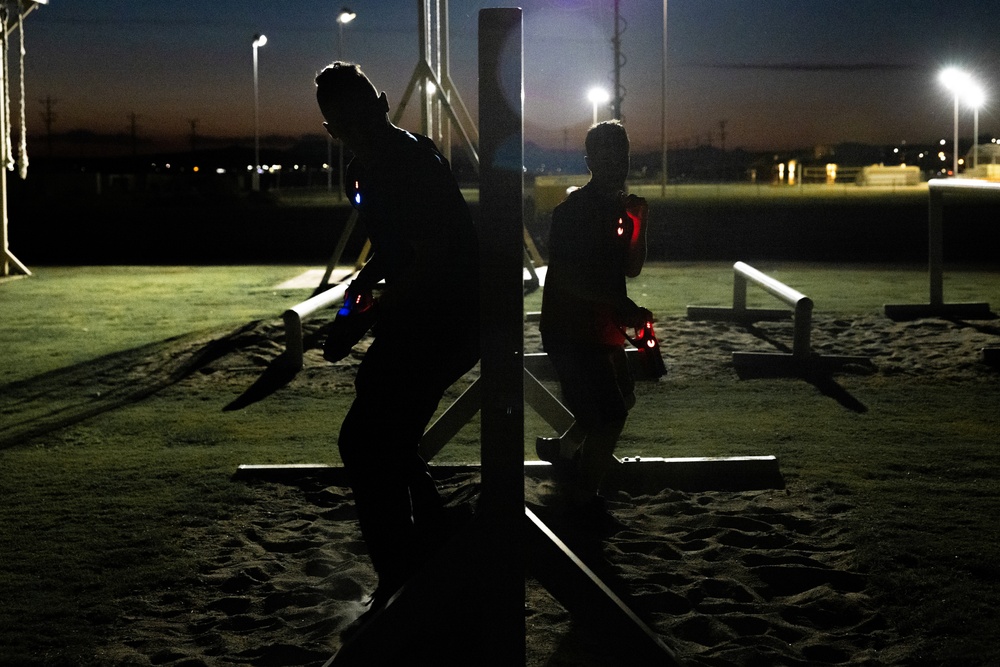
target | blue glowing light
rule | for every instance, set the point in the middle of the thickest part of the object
(357, 198)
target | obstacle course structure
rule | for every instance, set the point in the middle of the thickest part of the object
(938, 190)
(8, 262)
(801, 359)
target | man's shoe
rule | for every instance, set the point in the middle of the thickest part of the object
(547, 449)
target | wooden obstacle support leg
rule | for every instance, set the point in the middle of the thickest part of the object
(588, 599)
(936, 306)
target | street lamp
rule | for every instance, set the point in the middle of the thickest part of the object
(957, 82)
(345, 16)
(975, 97)
(258, 41)
(597, 96)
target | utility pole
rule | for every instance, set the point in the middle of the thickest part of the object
(48, 117)
(194, 133)
(722, 134)
(616, 42)
(134, 131)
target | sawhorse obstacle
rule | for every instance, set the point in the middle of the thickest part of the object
(801, 359)
(937, 190)
(300, 312)
(634, 474)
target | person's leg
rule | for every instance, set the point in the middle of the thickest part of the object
(598, 388)
(395, 496)
(569, 367)
(378, 446)
(381, 493)
(596, 456)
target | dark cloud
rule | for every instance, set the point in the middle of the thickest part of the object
(807, 67)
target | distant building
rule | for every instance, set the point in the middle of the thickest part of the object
(988, 162)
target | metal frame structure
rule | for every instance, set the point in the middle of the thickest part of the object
(441, 109)
(438, 93)
(8, 262)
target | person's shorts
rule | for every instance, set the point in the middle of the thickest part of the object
(597, 383)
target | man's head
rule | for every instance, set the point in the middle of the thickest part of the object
(350, 104)
(608, 153)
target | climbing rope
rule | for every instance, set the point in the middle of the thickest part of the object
(22, 146)
(7, 156)
(6, 149)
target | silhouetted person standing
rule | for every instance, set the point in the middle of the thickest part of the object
(426, 317)
(598, 237)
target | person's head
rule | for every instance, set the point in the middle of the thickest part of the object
(608, 153)
(350, 104)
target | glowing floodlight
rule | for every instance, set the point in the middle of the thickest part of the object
(954, 79)
(346, 15)
(598, 96)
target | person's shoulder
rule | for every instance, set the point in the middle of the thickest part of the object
(578, 199)
(415, 144)
(415, 153)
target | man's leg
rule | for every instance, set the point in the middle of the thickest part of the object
(596, 455)
(395, 496)
(598, 388)
(381, 494)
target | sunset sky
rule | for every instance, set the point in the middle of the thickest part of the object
(780, 73)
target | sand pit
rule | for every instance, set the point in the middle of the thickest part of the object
(758, 577)
(761, 577)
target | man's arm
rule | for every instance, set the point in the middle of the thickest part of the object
(370, 274)
(635, 255)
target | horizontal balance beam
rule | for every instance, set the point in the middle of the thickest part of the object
(635, 475)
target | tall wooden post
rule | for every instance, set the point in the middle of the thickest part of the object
(501, 155)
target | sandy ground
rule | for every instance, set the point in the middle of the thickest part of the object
(758, 577)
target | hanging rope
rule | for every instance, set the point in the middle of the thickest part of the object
(7, 157)
(22, 145)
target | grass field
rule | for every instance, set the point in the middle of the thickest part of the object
(93, 512)
(66, 315)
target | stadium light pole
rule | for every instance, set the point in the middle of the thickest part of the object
(974, 97)
(956, 81)
(597, 96)
(663, 107)
(345, 16)
(258, 41)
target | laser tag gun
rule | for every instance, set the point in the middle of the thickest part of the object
(648, 351)
(354, 319)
